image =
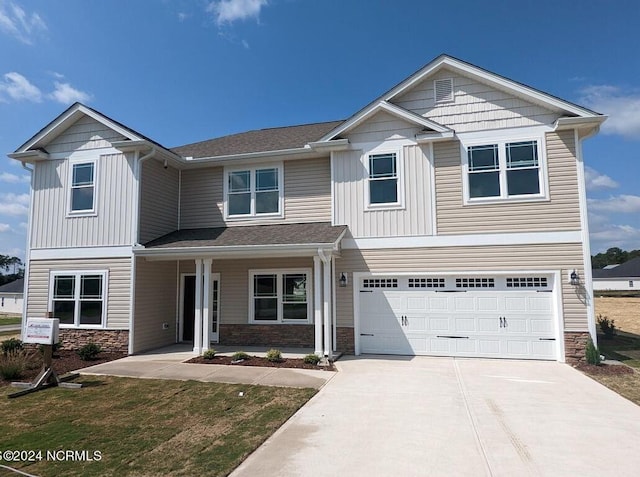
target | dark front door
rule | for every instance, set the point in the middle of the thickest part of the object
(189, 307)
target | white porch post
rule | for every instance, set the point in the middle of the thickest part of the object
(326, 292)
(206, 305)
(197, 326)
(317, 304)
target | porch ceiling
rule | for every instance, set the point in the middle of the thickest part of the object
(245, 241)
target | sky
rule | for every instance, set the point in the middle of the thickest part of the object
(181, 71)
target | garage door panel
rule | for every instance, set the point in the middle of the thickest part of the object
(544, 327)
(438, 323)
(462, 303)
(489, 347)
(540, 304)
(488, 325)
(516, 325)
(417, 304)
(437, 304)
(462, 324)
(487, 304)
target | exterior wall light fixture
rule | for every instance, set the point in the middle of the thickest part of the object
(343, 280)
(574, 278)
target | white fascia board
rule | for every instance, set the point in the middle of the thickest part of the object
(434, 137)
(524, 238)
(329, 146)
(79, 252)
(238, 251)
(573, 123)
(296, 153)
(146, 146)
(29, 157)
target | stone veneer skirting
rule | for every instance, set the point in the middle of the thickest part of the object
(575, 345)
(281, 336)
(109, 340)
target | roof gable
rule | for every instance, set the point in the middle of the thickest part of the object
(16, 286)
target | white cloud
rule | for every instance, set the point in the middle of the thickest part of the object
(14, 21)
(621, 204)
(596, 180)
(65, 94)
(626, 237)
(229, 11)
(4, 228)
(18, 88)
(13, 178)
(623, 108)
(14, 204)
(182, 16)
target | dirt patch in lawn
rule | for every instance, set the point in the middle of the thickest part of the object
(619, 378)
(625, 311)
(295, 363)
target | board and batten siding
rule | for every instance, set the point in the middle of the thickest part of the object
(350, 180)
(553, 257)
(560, 213)
(159, 190)
(111, 226)
(234, 283)
(117, 293)
(155, 304)
(85, 133)
(477, 106)
(307, 196)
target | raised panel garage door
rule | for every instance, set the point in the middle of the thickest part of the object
(498, 317)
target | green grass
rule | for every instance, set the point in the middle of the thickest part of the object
(146, 427)
(10, 320)
(623, 347)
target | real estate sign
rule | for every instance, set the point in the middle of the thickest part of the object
(42, 331)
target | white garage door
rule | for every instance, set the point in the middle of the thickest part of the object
(495, 317)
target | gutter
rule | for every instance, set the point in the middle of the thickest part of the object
(142, 251)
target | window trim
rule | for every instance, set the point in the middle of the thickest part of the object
(76, 299)
(501, 141)
(399, 203)
(76, 161)
(279, 166)
(280, 272)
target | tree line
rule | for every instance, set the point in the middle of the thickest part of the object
(613, 256)
(11, 268)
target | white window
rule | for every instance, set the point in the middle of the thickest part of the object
(501, 170)
(384, 180)
(77, 298)
(82, 187)
(254, 192)
(278, 296)
(630, 283)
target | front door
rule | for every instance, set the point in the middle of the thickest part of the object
(189, 306)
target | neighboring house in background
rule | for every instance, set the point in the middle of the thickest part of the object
(444, 218)
(11, 297)
(623, 277)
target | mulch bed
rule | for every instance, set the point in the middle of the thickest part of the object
(295, 363)
(64, 361)
(604, 369)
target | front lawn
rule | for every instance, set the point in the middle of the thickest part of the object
(10, 320)
(145, 427)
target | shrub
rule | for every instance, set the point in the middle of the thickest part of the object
(274, 355)
(240, 356)
(592, 354)
(89, 351)
(11, 344)
(606, 326)
(209, 354)
(14, 363)
(311, 359)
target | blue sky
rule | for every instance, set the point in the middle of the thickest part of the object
(181, 71)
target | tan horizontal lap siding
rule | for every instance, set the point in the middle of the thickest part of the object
(560, 213)
(556, 257)
(86, 133)
(114, 192)
(307, 196)
(118, 303)
(158, 200)
(477, 106)
(155, 304)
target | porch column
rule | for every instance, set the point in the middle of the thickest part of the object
(326, 292)
(206, 305)
(317, 304)
(197, 325)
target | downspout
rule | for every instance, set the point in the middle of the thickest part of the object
(326, 289)
(25, 291)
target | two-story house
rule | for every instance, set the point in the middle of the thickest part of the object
(447, 217)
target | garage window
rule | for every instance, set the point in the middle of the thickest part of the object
(426, 282)
(526, 282)
(380, 283)
(475, 283)
(279, 296)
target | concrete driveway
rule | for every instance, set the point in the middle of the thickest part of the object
(382, 416)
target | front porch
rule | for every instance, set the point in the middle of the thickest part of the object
(208, 288)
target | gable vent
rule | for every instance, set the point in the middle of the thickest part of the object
(443, 90)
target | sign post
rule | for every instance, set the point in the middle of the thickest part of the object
(45, 332)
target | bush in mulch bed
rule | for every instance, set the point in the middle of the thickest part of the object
(258, 361)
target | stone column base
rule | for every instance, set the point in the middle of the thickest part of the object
(116, 341)
(575, 345)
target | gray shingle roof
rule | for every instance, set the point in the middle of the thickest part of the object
(286, 234)
(272, 139)
(16, 286)
(630, 268)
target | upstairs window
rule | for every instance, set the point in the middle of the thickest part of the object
(504, 170)
(254, 191)
(383, 179)
(83, 187)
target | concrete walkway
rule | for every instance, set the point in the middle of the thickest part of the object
(455, 417)
(169, 364)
